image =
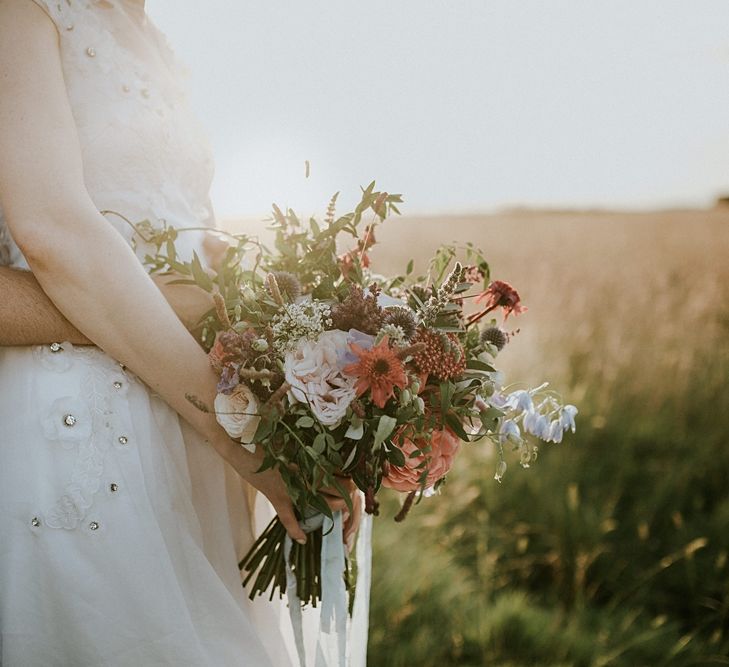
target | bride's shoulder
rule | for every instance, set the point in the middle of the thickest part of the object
(62, 13)
(24, 16)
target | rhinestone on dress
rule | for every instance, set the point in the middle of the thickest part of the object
(35, 522)
(94, 525)
(91, 52)
(56, 347)
(117, 384)
(113, 487)
(123, 440)
(69, 26)
(69, 420)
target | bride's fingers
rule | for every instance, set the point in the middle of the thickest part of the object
(335, 502)
(352, 522)
(285, 511)
(345, 482)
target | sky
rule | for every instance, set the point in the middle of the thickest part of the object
(463, 106)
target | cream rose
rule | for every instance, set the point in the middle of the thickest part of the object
(237, 413)
(313, 370)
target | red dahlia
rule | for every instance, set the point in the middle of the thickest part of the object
(499, 294)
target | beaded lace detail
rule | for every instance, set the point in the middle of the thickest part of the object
(88, 424)
(144, 152)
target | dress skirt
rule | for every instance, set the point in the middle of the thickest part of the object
(120, 530)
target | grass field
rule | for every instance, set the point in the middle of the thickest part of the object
(613, 549)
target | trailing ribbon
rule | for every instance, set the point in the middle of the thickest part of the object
(335, 627)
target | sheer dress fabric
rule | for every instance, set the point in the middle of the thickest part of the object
(120, 530)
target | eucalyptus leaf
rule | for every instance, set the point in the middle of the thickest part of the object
(355, 430)
(385, 427)
(350, 458)
(320, 443)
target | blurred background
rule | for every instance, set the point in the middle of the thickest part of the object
(585, 147)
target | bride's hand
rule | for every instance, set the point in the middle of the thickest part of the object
(352, 521)
(269, 483)
(336, 502)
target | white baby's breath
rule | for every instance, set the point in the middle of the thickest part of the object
(306, 319)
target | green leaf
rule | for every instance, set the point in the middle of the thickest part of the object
(396, 456)
(343, 493)
(305, 422)
(265, 428)
(446, 396)
(356, 429)
(385, 426)
(182, 281)
(489, 417)
(199, 274)
(320, 443)
(409, 268)
(476, 365)
(171, 253)
(455, 425)
(350, 458)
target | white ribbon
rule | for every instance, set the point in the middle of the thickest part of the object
(335, 627)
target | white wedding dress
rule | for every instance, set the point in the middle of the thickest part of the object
(120, 531)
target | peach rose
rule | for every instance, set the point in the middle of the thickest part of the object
(237, 413)
(444, 447)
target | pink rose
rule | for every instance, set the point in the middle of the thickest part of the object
(444, 447)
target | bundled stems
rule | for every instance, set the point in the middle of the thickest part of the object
(265, 564)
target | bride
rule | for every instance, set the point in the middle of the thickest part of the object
(123, 509)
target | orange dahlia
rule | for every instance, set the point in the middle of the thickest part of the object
(378, 369)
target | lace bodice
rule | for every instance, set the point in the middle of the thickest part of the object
(144, 152)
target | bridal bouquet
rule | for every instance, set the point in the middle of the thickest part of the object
(336, 371)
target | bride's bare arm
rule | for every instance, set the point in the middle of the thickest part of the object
(83, 265)
(29, 317)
